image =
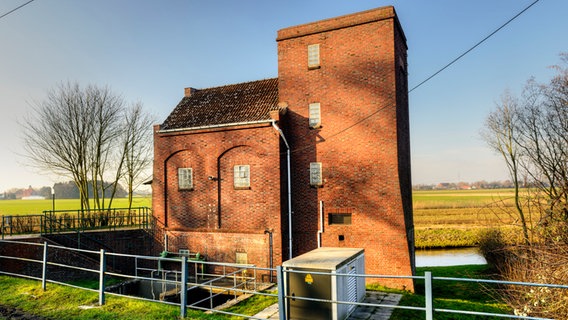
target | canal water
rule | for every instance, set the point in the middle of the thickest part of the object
(448, 257)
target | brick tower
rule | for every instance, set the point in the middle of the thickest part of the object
(344, 81)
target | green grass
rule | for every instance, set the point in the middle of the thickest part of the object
(252, 305)
(62, 302)
(22, 207)
(453, 295)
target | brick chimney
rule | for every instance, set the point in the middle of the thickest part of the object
(189, 91)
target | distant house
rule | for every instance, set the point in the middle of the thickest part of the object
(319, 156)
(33, 198)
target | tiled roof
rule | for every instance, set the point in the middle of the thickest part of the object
(235, 103)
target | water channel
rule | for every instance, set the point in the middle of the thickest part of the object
(448, 257)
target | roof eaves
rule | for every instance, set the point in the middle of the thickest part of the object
(215, 126)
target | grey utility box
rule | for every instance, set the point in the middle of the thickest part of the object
(307, 284)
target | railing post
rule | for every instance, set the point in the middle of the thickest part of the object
(102, 269)
(254, 274)
(146, 218)
(429, 297)
(183, 292)
(235, 284)
(281, 293)
(44, 267)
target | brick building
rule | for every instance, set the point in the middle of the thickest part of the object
(326, 143)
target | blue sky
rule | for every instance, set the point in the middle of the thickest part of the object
(149, 51)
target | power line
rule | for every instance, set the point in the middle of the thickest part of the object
(7, 13)
(424, 81)
(475, 46)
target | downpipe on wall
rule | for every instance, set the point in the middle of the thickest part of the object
(320, 230)
(289, 188)
(270, 251)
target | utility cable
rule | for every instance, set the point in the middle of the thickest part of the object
(7, 13)
(475, 46)
(424, 81)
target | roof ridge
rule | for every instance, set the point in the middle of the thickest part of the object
(236, 84)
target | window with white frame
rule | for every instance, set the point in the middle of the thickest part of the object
(185, 178)
(242, 177)
(313, 56)
(316, 179)
(314, 111)
(241, 258)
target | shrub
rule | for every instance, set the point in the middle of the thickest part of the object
(492, 246)
(546, 264)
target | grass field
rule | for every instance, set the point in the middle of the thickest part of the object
(454, 218)
(451, 199)
(20, 207)
(442, 218)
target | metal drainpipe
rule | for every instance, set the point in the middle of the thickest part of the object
(289, 188)
(270, 251)
(320, 231)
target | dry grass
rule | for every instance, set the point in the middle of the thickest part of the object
(545, 263)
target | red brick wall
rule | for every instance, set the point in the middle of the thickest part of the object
(404, 139)
(363, 143)
(214, 218)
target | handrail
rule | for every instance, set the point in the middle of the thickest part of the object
(95, 219)
(59, 221)
(282, 273)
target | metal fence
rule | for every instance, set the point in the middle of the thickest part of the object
(21, 224)
(58, 221)
(167, 276)
(162, 277)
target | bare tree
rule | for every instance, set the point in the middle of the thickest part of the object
(531, 133)
(80, 133)
(106, 109)
(501, 134)
(137, 147)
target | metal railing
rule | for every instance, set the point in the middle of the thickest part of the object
(40, 264)
(428, 307)
(236, 279)
(60, 221)
(20, 224)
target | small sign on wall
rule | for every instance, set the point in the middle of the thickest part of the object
(316, 174)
